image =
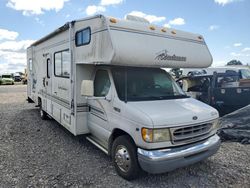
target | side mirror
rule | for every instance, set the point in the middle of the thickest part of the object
(87, 88)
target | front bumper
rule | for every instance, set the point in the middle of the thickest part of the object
(165, 160)
(7, 83)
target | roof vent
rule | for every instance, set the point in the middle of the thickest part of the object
(136, 19)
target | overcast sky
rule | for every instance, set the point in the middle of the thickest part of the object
(225, 24)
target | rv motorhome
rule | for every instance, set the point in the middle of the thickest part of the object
(102, 77)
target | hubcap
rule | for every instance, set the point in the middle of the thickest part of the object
(122, 158)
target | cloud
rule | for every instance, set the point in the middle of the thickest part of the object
(245, 49)
(235, 54)
(219, 63)
(237, 44)
(40, 21)
(93, 9)
(110, 2)
(150, 18)
(35, 7)
(13, 55)
(8, 35)
(15, 46)
(213, 27)
(12, 61)
(239, 54)
(224, 2)
(177, 21)
(158, 19)
(167, 25)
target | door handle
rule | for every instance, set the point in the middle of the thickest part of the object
(44, 82)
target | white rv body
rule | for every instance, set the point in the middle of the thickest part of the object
(59, 62)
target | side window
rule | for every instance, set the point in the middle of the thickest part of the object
(48, 68)
(65, 64)
(62, 64)
(58, 64)
(83, 37)
(101, 83)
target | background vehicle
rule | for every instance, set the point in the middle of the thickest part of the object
(6, 79)
(226, 92)
(243, 71)
(24, 77)
(100, 77)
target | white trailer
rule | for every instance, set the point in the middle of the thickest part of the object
(102, 77)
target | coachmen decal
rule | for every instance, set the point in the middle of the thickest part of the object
(163, 56)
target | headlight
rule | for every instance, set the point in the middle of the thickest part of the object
(215, 125)
(155, 135)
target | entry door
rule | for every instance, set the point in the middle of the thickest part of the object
(98, 118)
(48, 84)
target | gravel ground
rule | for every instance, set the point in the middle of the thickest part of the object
(36, 153)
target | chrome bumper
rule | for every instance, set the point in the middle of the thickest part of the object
(164, 160)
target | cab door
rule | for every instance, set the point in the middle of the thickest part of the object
(100, 108)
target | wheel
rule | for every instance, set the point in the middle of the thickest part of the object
(43, 114)
(124, 157)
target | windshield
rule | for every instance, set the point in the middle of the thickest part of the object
(6, 76)
(140, 84)
(245, 73)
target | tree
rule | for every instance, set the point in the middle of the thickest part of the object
(234, 62)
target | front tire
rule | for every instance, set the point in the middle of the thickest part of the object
(124, 157)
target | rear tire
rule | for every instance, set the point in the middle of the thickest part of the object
(124, 157)
(43, 114)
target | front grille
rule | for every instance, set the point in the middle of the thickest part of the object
(187, 134)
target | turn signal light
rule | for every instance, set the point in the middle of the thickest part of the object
(173, 32)
(152, 27)
(113, 20)
(163, 30)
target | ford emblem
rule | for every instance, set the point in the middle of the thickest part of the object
(195, 118)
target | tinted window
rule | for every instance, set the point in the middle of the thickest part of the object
(58, 64)
(101, 83)
(139, 84)
(245, 73)
(227, 81)
(65, 63)
(62, 64)
(6, 76)
(83, 37)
